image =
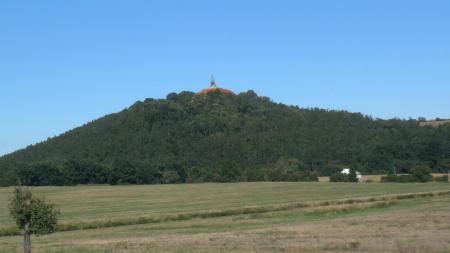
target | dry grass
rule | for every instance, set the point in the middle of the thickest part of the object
(413, 225)
(440, 175)
(243, 217)
(372, 178)
(434, 123)
(122, 221)
(84, 204)
(365, 178)
(324, 179)
(377, 178)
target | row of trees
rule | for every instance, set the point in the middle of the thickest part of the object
(417, 174)
(221, 137)
(123, 172)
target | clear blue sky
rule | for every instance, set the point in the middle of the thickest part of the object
(64, 63)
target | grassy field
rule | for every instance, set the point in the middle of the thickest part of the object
(334, 227)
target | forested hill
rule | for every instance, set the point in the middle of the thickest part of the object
(224, 137)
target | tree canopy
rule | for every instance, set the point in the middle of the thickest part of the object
(36, 212)
(224, 137)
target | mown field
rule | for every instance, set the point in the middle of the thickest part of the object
(244, 217)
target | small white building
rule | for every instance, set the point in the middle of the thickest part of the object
(346, 171)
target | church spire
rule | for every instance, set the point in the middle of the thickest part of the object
(213, 82)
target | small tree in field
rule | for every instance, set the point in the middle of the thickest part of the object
(32, 215)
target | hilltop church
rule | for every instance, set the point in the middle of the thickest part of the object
(213, 88)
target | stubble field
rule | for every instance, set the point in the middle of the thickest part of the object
(244, 217)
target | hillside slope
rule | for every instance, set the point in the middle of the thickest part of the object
(218, 136)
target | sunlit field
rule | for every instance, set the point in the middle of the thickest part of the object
(244, 217)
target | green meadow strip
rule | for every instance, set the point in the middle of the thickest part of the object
(339, 205)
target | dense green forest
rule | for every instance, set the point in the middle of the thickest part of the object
(224, 137)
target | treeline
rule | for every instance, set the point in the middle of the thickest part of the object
(220, 137)
(417, 174)
(123, 172)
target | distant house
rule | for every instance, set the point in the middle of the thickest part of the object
(346, 171)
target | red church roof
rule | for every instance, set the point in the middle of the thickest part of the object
(213, 89)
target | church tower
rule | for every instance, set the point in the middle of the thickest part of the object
(213, 82)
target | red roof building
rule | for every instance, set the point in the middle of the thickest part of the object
(213, 88)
